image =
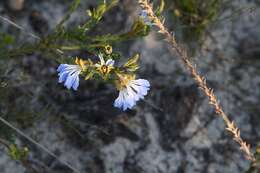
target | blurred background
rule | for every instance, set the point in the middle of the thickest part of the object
(173, 130)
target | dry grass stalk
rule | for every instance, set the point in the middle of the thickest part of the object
(201, 81)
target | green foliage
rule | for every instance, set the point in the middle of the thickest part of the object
(160, 9)
(17, 153)
(74, 5)
(138, 29)
(96, 15)
(77, 38)
(78, 33)
(131, 65)
(5, 40)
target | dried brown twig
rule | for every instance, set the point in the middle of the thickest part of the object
(201, 81)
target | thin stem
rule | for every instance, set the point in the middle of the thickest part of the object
(80, 47)
(24, 31)
(19, 27)
(201, 81)
(38, 144)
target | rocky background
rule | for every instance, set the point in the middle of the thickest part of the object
(172, 131)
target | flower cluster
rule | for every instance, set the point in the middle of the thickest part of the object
(130, 89)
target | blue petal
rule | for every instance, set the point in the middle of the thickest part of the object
(119, 102)
(142, 82)
(125, 105)
(76, 83)
(129, 99)
(61, 67)
(69, 82)
(63, 76)
(132, 94)
(143, 90)
(141, 87)
(124, 100)
(130, 102)
(69, 74)
(73, 79)
(110, 62)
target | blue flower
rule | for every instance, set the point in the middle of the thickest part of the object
(145, 18)
(69, 74)
(130, 92)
